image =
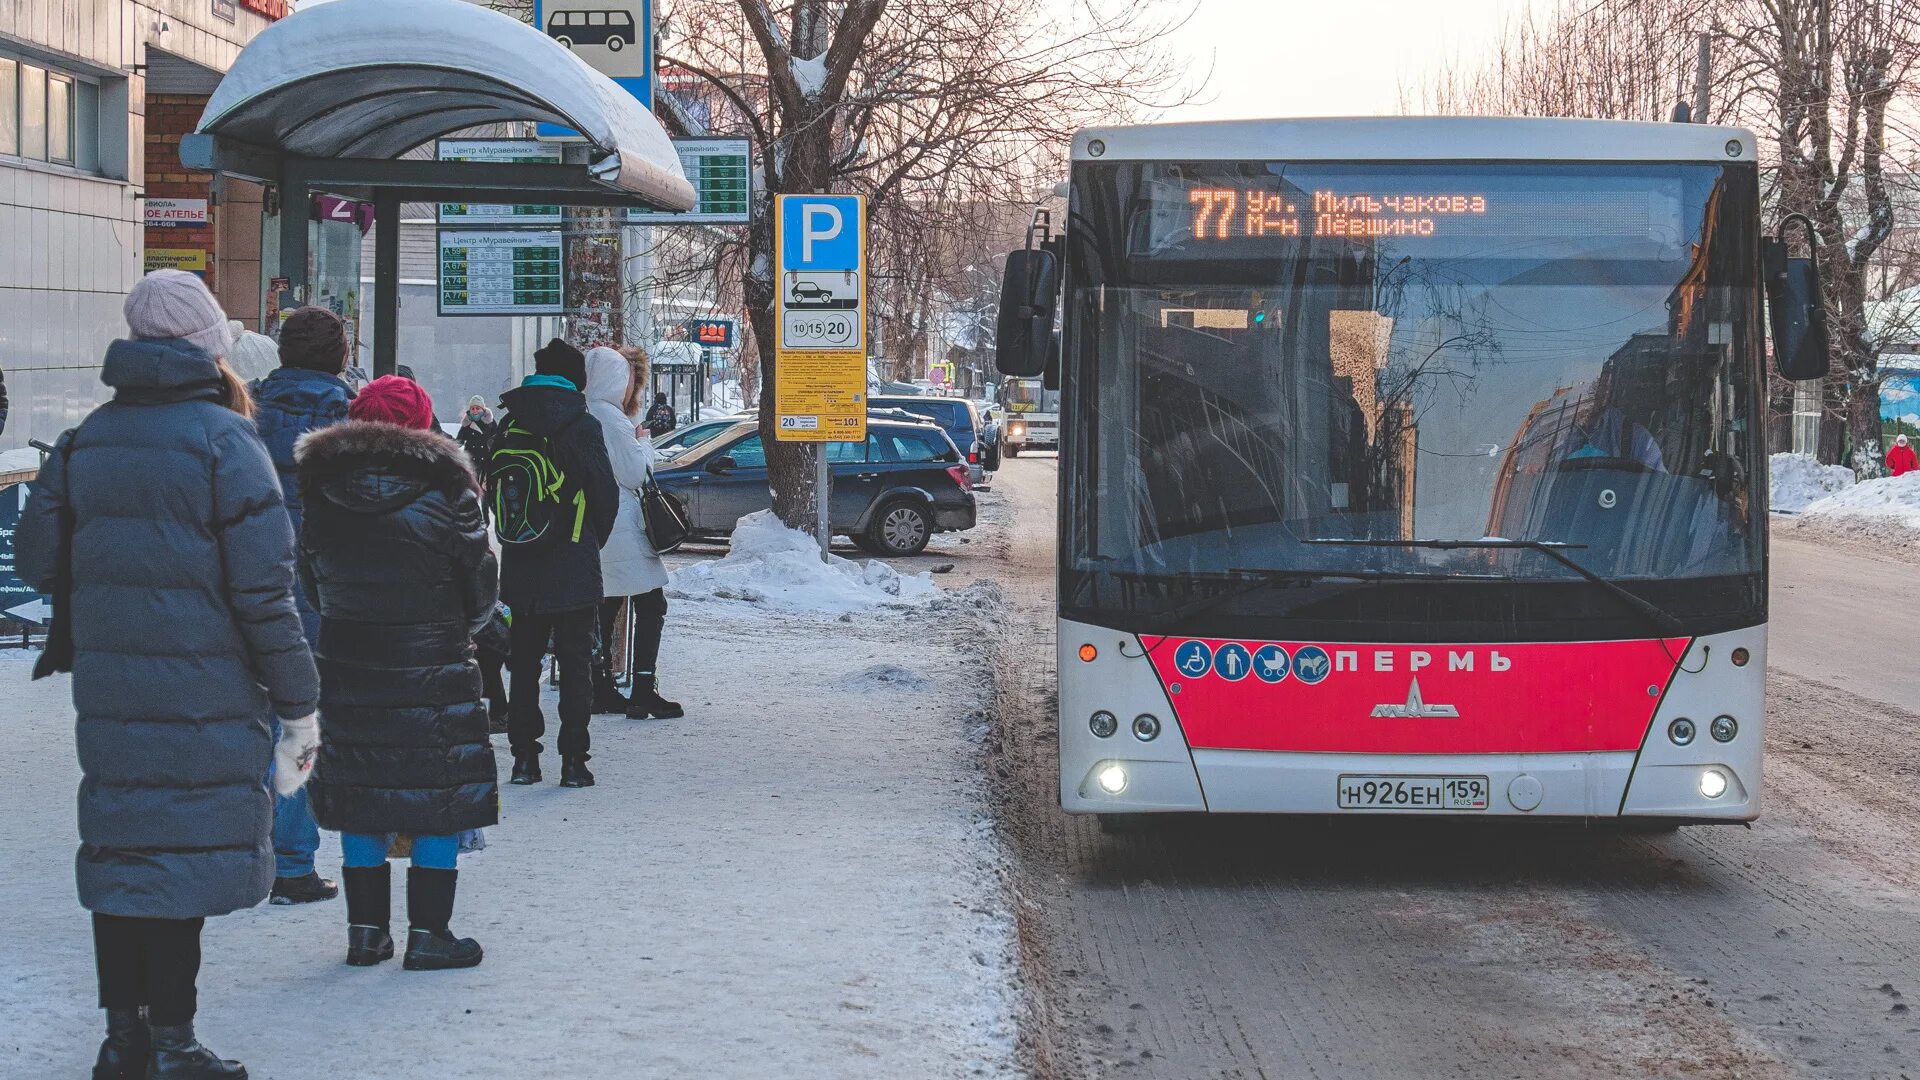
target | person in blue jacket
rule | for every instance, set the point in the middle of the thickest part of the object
(156, 525)
(305, 393)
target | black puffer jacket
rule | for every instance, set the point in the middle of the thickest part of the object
(558, 573)
(394, 553)
(186, 642)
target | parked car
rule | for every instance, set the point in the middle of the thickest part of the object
(956, 416)
(680, 440)
(890, 494)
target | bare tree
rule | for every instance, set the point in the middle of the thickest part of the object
(1827, 84)
(932, 109)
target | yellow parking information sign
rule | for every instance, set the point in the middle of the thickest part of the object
(820, 347)
(821, 397)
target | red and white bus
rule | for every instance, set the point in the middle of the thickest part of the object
(1411, 466)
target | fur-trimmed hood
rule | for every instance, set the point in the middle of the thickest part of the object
(373, 467)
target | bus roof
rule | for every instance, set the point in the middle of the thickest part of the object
(1417, 138)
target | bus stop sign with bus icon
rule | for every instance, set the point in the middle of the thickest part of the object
(614, 37)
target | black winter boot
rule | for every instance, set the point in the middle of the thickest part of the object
(369, 913)
(573, 771)
(647, 701)
(606, 696)
(177, 1055)
(526, 770)
(430, 945)
(123, 1056)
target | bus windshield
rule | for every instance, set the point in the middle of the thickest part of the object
(1029, 395)
(1311, 372)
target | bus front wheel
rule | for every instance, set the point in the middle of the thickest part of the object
(616, 44)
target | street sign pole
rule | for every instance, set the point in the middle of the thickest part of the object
(820, 346)
(820, 483)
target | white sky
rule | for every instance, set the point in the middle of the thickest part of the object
(1328, 57)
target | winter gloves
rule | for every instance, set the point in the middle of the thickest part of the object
(293, 755)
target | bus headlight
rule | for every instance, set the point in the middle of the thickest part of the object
(1112, 778)
(1723, 728)
(1713, 783)
(1146, 728)
(1103, 723)
(1681, 731)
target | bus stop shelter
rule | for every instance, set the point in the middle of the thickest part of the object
(329, 98)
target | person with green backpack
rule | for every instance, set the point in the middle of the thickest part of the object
(552, 493)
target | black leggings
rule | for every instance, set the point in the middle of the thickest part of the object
(650, 620)
(151, 962)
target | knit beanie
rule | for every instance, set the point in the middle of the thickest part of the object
(251, 356)
(391, 399)
(557, 357)
(314, 339)
(175, 304)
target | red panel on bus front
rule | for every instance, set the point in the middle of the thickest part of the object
(1533, 698)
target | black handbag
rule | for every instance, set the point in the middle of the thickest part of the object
(667, 523)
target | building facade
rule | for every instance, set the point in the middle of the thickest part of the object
(80, 81)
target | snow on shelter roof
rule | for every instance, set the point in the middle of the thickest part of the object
(376, 78)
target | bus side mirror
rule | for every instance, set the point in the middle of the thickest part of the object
(1796, 308)
(1027, 292)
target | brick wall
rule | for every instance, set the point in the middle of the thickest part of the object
(170, 116)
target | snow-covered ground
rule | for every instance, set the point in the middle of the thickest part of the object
(1881, 514)
(1799, 480)
(772, 565)
(799, 879)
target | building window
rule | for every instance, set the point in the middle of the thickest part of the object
(9, 106)
(33, 112)
(60, 119)
(55, 116)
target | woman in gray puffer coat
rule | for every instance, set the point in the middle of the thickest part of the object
(163, 512)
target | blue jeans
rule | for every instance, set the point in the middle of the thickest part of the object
(370, 849)
(295, 835)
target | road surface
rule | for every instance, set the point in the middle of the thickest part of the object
(1297, 948)
(1817, 631)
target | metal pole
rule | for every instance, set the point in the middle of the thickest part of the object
(1703, 81)
(293, 223)
(386, 281)
(820, 496)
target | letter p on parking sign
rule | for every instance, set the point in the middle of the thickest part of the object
(820, 232)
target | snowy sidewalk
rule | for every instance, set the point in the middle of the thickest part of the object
(800, 879)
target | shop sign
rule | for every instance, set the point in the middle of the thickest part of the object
(350, 211)
(272, 9)
(193, 260)
(223, 9)
(175, 213)
(711, 333)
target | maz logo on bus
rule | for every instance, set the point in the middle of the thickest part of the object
(1273, 662)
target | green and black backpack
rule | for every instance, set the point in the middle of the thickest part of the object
(524, 486)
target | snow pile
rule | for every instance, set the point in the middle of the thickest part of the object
(18, 460)
(780, 567)
(1799, 480)
(1894, 499)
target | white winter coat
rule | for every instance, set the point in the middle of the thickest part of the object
(628, 565)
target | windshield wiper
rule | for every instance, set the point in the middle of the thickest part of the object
(1556, 550)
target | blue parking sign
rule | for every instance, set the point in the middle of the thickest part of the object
(820, 232)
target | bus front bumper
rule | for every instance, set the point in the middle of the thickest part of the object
(1124, 774)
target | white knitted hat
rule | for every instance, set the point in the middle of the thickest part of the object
(252, 356)
(176, 304)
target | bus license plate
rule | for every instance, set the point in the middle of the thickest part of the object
(1413, 792)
